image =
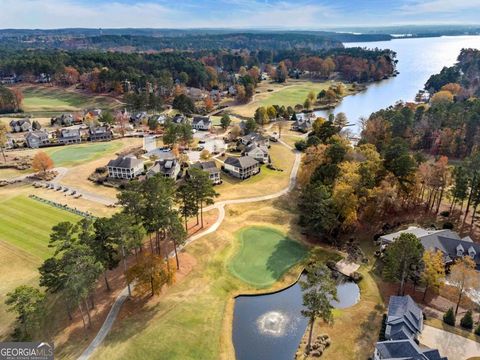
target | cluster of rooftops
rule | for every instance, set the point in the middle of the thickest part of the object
(403, 325)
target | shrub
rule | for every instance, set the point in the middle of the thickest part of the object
(300, 145)
(445, 213)
(448, 225)
(477, 330)
(467, 320)
(449, 317)
(313, 141)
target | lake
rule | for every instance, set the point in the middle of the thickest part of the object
(417, 60)
(271, 326)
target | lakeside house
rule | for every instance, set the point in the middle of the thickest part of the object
(21, 125)
(36, 139)
(211, 168)
(403, 325)
(125, 167)
(447, 241)
(258, 152)
(303, 122)
(99, 133)
(201, 123)
(69, 136)
(241, 167)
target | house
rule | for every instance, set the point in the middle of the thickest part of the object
(403, 324)
(69, 136)
(36, 139)
(9, 79)
(21, 125)
(138, 117)
(257, 138)
(160, 119)
(258, 152)
(196, 94)
(99, 133)
(303, 122)
(211, 168)
(201, 123)
(167, 167)
(125, 167)
(404, 350)
(241, 167)
(447, 241)
(179, 119)
(404, 319)
(62, 120)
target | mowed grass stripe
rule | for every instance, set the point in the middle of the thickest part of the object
(42, 211)
(26, 224)
(41, 219)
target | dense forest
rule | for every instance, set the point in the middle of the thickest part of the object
(465, 72)
(105, 71)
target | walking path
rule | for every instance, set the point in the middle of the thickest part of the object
(453, 346)
(112, 315)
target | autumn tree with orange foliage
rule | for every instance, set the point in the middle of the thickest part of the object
(150, 274)
(42, 162)
(208, 102)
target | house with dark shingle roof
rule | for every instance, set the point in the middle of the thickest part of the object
(167, 167)
(211, 168)
(447, 241)
(69, 136)
(241, 167)
(201, 123)
(258, 152)
(404, 319)
(403, 324)
(125, 167)
(36, 139)
(99, 133)
(21, 125)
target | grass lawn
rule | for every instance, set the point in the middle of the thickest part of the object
(294, 92)
(26, 224)
(266, 182)
(54, 99)
(265, 254)
(76, 154)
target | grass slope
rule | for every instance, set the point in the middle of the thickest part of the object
(265, 254)
(53, 99)
(26, 224)
(75, 154)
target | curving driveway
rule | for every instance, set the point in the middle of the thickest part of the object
(112, 315)
(455, 347)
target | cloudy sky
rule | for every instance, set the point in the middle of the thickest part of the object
(313, 14)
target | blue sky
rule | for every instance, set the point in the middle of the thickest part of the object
(234, 13)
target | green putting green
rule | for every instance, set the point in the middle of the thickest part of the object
(265, 254)
(75, 154)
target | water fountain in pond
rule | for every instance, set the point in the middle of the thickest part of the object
(272, 323)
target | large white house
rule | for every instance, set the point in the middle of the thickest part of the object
(125, 167)
(201, 123)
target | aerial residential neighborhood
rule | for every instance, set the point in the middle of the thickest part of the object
(241, 180)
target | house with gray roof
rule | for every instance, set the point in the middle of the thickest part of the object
(169, 168)
(211, 168)
(303, 122)
(99, 133)
(258, 152)
(125, 167)
(403, 324)
(201, 123)
(21, 125)
(241, 167)
(404, 319)
(447, 241)
(255, 138)
(36, 139)
(69, 136)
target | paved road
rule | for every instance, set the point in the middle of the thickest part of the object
(112, 315)
(455, 347)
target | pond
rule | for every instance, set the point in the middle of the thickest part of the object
(271, 326)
